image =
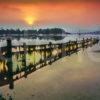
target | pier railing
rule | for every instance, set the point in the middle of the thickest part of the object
(41, 55)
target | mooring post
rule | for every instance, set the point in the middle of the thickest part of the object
(73, 46)
(69, 46)
(55, 56)
(60, 50)
(34, 49)
(24, 59)
(45, 55)
(29, 49)
(91, 42)
(9, 64)
(97, 40)
(87, 43)
(66, 48)
(41, 61)
(83, 43)
(50, 51)
(19, 50)
(63, 46)
(76, 44)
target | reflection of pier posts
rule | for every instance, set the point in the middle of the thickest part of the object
(9, 64)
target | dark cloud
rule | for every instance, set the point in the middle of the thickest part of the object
(45, 1)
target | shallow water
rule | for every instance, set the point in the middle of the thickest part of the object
(17, 59)
(75, 77)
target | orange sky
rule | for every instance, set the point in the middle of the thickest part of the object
(45, 13)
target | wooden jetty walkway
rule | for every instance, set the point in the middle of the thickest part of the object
(49, 53)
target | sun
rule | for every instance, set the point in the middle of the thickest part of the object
(30, 20)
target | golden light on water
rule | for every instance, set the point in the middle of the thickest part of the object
(54, 52)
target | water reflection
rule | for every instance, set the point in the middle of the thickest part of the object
(23, 60)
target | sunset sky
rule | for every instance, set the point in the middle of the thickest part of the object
(49, 13)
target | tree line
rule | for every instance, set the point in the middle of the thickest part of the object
(34, 31)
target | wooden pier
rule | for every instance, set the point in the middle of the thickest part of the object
(49, 53)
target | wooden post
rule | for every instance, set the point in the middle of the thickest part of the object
(76, 44)
(73, 48)
(91, 42)
(34, 49)
(29, 49)
(41, 61)
(83, 43)
(9, 64)
(44, 55)
(50, 51)
(55, 57)
(69, 50)
(63, 46)
(24, 59)
(60, 47)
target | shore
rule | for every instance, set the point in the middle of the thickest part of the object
(75, 77)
